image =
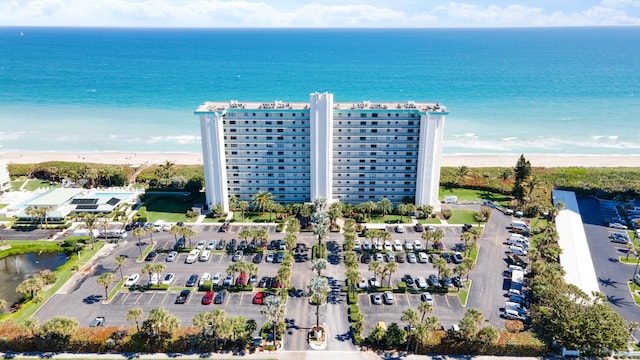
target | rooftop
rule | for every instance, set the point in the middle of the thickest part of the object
(214, 106)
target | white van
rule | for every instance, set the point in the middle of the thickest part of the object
(517, 250)
(514, 315)
(205, 255)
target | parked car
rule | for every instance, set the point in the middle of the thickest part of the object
(279, 257)
(168, 279)
(427, 297)
(242, 245)
(376, 299)
(258, 298)
(616, 225)
(387, 245)
(211, 245)
(457, 281)
(378, 257)
(446, 282)
(389, 257)
(205, 277)
(516, 250)
(270, 256)
(513, 315)
(432, 280)
(388, 297)
(446, 256)
(421, 282)
(217, 277)
(356, 245)
(132, 280)
(408, 245)
(253, 280)
(408, 279)
(221, 244)
(192, 257)
(192, 281)
(411, 258)
(258, 258)
(220, 296)
(237, 256)
(366, 258)
(422, 258)
(373, 282)
(438, 246)
(366, 246)
(399, 228)
(419, 227)
(201, 244)
(457, 258)
(207, 298)
(231, 245)
(155, 279)
(417, 245)
(362, 284)
(97, 321)
(400, 258)
(171, 256)
(183, 296)
(206, 254)
(151, 255)
(242, 279)
(397, 245)
(228, 281)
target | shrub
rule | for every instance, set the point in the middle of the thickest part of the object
(446, 213)
(514, 326)
(402, 287)
(353, 309)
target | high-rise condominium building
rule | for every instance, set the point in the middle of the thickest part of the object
(348, 152)
(5, 179)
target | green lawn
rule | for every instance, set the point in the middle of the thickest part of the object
(462, 217)
(473, 195)
(35, 184)
(171, 207)
(17, 184)
(463, 294)
(633, 288)
(430, 221)
(388, 219)
(254, 217)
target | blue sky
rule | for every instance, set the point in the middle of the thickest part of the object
(319, 13)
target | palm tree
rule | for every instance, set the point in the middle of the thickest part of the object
(411, 318)
(148, 269)
(261, 200)
(135, 314)
(353, 275)
(463, 172)
(138, 233)
(90, 220)
(384, 206)
(175, 231)
(119, 261)
(319, 266)
(188, 233)
(402, 210)
(369, 207)
(335, 212)
(274, 310)
(105, 280)
(461, 270)
(487, 335)
(318, 288)
(390, 268)
(3, 304)
(425, 309)
(375, 267)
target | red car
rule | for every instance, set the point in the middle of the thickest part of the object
(258, 298)
(242, 280)
(207, 298)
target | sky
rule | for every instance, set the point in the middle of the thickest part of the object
(320, 13)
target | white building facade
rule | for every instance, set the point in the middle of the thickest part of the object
(339, 151)
(5, 179)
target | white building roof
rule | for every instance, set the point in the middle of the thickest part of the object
(575, 257)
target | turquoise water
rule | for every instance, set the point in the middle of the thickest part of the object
(544, 91)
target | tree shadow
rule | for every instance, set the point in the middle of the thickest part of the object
(607, 282)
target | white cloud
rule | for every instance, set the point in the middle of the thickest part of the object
(318, 13)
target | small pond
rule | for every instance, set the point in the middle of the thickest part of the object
(15, 269)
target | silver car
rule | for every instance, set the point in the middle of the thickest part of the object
(172, 256)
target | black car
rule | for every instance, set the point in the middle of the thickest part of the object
(151, 255)
(408, 279)
(279, 257)
(269, 282)
(179, 244)
(129, 226)
(272, 245)
(400, 258)
(366, 258)
(219, 299)
(242, 245)
(221, 244)
(457, 281)
(231, 245)
(253, 244)
(183, 296)
(258, 258)
(263, 282)
(193, 280)
(446, 256)
(466, 227)
(179, 223)
(459, 247)
(447, 282)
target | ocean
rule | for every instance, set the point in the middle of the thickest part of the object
(509, 91)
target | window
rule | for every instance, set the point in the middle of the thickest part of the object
(363, 122)
(363, 138)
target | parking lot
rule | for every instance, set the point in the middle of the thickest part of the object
(612, 274)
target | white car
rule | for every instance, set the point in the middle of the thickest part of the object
(379, 257)
(399, 228)
(192, 257)
(516, 250)
(514, 315)
(270, 256)
(206, 276)
(378, 245)
(363, 284)
(356, 246)
(216, 279)
(168, 279)
(172, 256)
(132, 280)
(211, 245)
(616, 225)
(200, 245)
(417, 245)
(408, 245)
(237, 256)
(373, 282)
(366, 246)
(411, 258)
(204, 256)
(397, 245)
(228, 281)
(154, 279)
(387, 245)
(421, 282)
(423, 258)
(427, 297)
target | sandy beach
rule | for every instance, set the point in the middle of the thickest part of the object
(447, 160)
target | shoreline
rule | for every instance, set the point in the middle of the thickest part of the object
(448, 160)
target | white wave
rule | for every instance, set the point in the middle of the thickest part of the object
(510, 138)
(114, 136)
(179, 139)
(12, 135)
(542, 143)
(612, 137)
(597, 137)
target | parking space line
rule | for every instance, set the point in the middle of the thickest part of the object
(408, 299)
(152, 295)
(447, 300)
(138, 299)
(124, 298)
(165, 297)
